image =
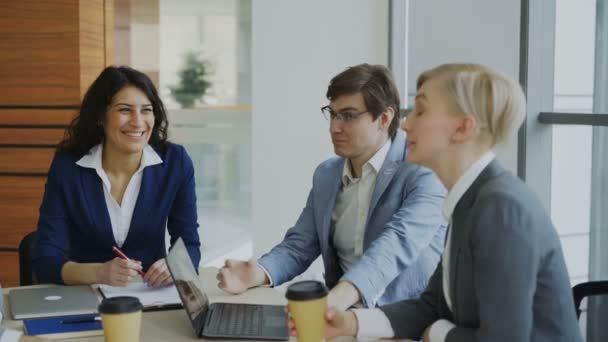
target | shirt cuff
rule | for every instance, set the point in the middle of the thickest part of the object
(267, 274)
(373, 324)
(440, 329)
(10, 335)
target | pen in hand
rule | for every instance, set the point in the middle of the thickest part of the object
(123, 256)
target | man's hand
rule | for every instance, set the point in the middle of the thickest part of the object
(158, 274)
(343, 296)
(338, 323)
(117, 272)
(237, 276)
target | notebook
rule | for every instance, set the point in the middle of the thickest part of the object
(64, 326)
(50, 301)
(152, 298)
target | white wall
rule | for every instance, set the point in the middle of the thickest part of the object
(474, 31)
(297, 46)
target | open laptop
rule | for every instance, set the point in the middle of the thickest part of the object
(222, 320)
(52, 301)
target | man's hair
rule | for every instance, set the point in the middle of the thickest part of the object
(375, 83)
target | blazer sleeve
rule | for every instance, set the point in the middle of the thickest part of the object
(408, 234)
(53, 231)
(409, 318)
(506, 260)
(297, 251)
(183, 219)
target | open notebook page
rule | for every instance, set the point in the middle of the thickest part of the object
(148, 296)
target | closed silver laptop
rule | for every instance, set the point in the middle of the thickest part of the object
(52, 301)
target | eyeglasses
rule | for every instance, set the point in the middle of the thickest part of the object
(345, 116)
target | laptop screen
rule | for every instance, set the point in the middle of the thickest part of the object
(187, 283)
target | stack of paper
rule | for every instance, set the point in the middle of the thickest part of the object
(150, 297)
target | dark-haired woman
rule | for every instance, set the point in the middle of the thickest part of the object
(115, 180)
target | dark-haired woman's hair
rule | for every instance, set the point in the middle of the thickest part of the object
(86, 130)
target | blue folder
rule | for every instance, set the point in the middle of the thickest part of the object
(64, 326)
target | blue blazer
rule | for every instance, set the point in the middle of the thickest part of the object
(403, 237)
(74, 223)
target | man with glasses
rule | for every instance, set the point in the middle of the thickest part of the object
(375, 219)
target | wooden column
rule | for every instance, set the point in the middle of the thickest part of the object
(51, 52)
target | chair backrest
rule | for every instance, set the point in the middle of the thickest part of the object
(590, 288)
(26, 252)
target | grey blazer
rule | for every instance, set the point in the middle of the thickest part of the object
(508, 278)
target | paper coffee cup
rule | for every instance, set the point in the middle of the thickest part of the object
(121, 319)
(307, 302)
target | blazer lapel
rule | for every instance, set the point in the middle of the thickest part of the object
(327, 194)
(389, 168)
(96, 205)
(455, 246)
(459, 230)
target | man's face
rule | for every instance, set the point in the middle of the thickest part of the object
(354, 133)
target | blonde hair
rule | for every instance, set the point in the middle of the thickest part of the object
(495, 100)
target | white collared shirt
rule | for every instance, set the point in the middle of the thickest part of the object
(349, 216)
(374, 323)
(120, 215)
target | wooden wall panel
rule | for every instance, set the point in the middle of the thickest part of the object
(9, 264)
(92, 42)
(25, 160)
(30, 136)
(19, 204)
(51, 51)
(43, 117)
(122, 32)
(109, 41)
(39, 63)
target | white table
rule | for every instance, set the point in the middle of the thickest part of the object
(174, 325)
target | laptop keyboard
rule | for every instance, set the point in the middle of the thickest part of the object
(236, 320)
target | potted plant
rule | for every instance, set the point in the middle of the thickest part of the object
(193, 81)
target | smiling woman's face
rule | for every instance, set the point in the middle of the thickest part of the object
(129, 121)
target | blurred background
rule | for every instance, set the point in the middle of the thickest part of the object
(243, 82)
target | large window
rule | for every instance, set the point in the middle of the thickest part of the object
(564, 66)
(572, 144)
(205, 45)
(199, 54)
(560, 54)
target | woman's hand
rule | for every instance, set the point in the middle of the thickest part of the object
(118, 272)
(158, 274)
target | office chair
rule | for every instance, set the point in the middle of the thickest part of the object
(590, 288)
(26, 252)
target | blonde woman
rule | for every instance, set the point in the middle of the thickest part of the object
(502, 276)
